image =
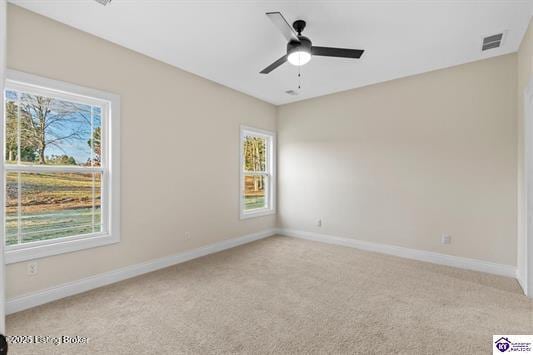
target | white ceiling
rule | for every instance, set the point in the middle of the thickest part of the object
(229, 42)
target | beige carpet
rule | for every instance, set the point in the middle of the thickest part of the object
(284, 295)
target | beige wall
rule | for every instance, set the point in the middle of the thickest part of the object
(404, 161)
(525, 72)
(172, 181)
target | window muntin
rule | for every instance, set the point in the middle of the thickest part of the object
(257, 184)
(55, 166)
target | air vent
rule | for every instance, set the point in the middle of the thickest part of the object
(291, 92)
(103, 2)
(493, 41)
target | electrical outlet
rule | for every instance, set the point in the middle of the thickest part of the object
(319, 222)
(32, 268)
(187, 235)
(445, 239)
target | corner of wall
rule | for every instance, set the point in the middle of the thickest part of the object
(524, 72)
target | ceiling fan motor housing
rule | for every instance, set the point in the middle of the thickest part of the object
(303, 46)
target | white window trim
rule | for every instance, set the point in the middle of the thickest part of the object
(271, 160)
(111, 136)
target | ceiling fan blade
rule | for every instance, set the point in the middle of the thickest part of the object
(337, 52)
(274, 65)
(283, 26)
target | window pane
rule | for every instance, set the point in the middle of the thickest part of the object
(11, 95)
(56, 131)
(11, 227)
(11, 147)
(97, 203)
(95, 141)
(254, 192)
(55, 205)
(254, 151)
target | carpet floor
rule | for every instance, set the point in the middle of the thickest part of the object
(285, 295)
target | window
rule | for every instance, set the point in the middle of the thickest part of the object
(61, 167)
(257, 173)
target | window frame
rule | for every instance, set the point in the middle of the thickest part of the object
(270, 190)
(110, 167)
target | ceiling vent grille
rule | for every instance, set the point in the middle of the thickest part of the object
(493, 41)
(103, 2)
(291, 92)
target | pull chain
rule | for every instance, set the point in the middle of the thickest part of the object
(299, 78)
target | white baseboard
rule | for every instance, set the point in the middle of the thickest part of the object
(415, 254)
(30, 300)
(34, 299)
(521, 277)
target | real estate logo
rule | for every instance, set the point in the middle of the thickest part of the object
(502, 344)
(512, 343)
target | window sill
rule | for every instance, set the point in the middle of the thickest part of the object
(58, 247)
(258, 213)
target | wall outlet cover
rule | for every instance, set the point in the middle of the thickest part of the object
(31, 268)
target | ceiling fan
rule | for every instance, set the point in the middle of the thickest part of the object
(300, 48)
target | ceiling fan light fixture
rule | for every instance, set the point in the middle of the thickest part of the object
(299, 58)
(299, 52)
